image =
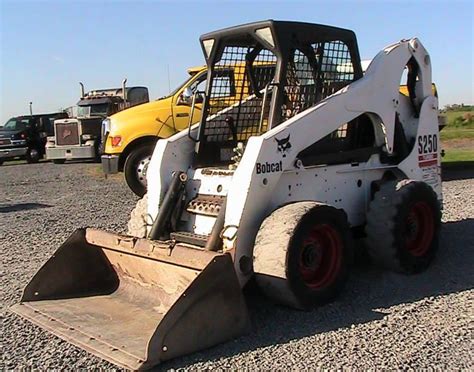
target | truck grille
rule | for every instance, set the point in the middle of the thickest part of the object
(5, 141)
(67, 134)
(91, 126)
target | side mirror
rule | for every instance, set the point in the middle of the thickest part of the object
(186, 97)
(187, 93)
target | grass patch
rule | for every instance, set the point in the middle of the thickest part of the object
(450, 133)
(460, 126)
(458, 155)
(461, 118)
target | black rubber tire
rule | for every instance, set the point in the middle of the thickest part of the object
(390, 219)
(33, 155)
(59, 161)
(1, 162)
(131, 165)
(279, 248)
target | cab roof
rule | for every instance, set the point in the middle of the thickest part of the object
(195, 69)
(284, 33)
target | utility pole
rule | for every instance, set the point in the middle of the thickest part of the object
(31, 108)
(169, 80)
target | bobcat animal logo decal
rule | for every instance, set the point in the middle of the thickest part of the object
(283, 145)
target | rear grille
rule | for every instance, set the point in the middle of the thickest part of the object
(67, 134)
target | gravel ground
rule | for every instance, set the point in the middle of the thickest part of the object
(382, 320)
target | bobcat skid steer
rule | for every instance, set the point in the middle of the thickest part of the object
(274, 185)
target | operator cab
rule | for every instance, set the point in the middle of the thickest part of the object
(288, 67)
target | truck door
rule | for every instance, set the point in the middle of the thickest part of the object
(222, 97)
(181, 106)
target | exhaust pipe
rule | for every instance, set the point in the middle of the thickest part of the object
(124, 91)
(82, 89)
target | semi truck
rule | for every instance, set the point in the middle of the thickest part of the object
(79, 137)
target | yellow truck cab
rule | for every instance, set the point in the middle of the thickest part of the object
(129, 136)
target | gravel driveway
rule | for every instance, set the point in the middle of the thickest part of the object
(382, 320)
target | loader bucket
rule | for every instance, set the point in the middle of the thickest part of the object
(135, 302)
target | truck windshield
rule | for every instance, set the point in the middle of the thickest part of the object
(15, 124)
(178, 88)
(92, 110)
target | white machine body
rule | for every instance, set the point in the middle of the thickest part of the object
(270, 175)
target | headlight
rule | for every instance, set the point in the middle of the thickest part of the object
(106, 126)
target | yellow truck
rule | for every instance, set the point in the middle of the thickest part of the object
(129, 136)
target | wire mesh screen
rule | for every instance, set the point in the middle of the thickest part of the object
(239, 103)
(313, 77)
(300, 87)
(235, 110)
(336, 68)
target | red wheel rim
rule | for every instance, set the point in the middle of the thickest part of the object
(320, 256)
(419, 228)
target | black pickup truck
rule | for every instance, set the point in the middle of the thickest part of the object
(25, 136)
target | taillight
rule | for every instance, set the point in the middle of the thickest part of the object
(115, 141)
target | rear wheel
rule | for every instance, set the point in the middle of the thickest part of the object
(136, 166)
(32, 155)
(303, 253)
(403, 224)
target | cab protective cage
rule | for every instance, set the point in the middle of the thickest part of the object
(289, 67)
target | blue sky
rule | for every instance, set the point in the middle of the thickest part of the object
(47, 47)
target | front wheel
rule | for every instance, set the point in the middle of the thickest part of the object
(303, 253)
(135, 168)
(32, 155)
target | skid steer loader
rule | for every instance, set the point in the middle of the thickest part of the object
(275, 185)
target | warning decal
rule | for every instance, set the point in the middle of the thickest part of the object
(427, 160)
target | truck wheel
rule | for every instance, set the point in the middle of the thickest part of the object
(1, 162)
(135, 168)
(32, 155)
(302, 255)
(403, 224)
(59, 161)
(138, 219)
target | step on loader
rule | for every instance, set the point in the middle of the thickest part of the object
(273, 184)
